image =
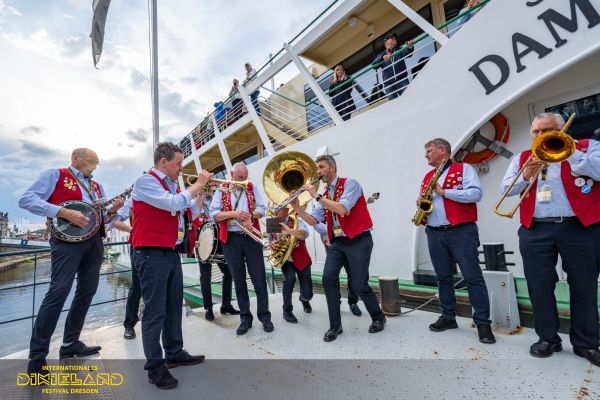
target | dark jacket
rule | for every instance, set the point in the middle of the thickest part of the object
(394, 69)
(341, 96)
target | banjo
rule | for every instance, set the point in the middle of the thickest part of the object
(66, 231)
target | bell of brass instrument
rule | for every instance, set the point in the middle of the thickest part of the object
(283, 177)
(549, 147)
(285, 174)
(425, 207)
(282, 247)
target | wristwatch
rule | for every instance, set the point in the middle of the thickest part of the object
(319, 197)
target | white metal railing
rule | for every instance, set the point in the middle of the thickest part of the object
(290, 121)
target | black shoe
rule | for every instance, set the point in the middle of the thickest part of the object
(485, 334)
(290, 317)
(243, 328)
(268, 326)
(229, 310)
(542, 349)
(355, 309)
(78, 349)
(129, 333)
(377, 325)
(442, 324)
(162, 378)
(307, 307)
(183, 358)
(209, 315)
(332, 334)
(593, 355)
(38, 367)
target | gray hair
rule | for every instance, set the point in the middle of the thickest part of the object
(165, 150)
(440, 142)
(557, 117)
(328, 159)
(238, 165)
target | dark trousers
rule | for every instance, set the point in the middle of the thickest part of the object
(241, 251)
(540, 246)
(290, 271)
(395, 88)
(134, 295)
(352, 296)
(67, 259)
(356, 254)
(161, 280)
(205, 286)
(459, 244)
(254, 100)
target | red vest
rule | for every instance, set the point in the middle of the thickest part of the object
(67, 188)
(456, 213)
(226, 206)
(358, 219)
(300, 256)
(585, 206)
(153, 227)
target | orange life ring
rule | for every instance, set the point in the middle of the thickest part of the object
(500, 123)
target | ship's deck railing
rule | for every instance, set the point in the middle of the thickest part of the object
(36, 282)
(296, 120)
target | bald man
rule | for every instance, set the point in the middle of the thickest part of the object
(43, 198)
(241, 250)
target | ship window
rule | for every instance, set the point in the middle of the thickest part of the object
(588, 115)
(247, 157)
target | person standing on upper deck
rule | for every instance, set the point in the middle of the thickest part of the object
(250, 75)
(393, 65)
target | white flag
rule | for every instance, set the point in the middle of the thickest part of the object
(100, 8)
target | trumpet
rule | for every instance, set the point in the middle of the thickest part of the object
(549, 147)
(217, 184)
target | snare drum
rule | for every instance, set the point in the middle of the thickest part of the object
(208, 246)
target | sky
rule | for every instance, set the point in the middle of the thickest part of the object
(53, 100)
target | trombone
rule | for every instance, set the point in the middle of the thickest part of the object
(549, 147)
(254, 233)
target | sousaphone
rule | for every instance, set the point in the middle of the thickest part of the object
(284, 175)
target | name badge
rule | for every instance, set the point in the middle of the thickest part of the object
(180, 234)
(545, 194)
(337, 231)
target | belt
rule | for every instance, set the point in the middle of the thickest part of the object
(156, 249)
(440, 228)
(556, 220)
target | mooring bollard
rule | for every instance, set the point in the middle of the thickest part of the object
(390, 296)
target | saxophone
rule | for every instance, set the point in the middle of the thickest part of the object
(426, 206)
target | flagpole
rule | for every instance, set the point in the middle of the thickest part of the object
(154, 74)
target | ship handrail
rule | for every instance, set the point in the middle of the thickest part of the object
(35, 283)
(206, 137)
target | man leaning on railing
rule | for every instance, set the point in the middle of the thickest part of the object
(392, 62)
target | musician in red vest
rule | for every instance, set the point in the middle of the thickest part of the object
(159, 233)
(298, 263)
(84, 258)
(452, 236)
(244, 206)
(349, 225)
(561, 216)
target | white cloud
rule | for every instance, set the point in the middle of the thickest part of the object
(54, 99)
(8, 10)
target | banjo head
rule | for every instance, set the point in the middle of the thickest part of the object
(65, 231)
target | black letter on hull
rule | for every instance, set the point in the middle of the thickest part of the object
(530, 45)
(551, 17)
(483, 79)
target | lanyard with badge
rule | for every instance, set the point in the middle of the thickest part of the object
(544, 195)
(337, 229)
(238, 197)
